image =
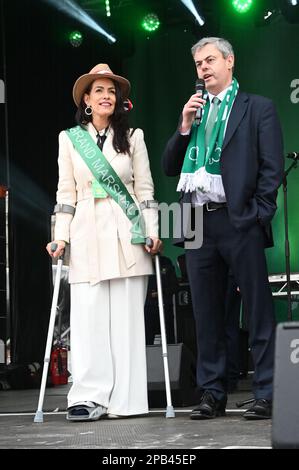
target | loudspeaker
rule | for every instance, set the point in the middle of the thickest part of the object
(182, 372)
(285, 420)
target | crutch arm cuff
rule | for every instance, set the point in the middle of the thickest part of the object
(149, 204)
(66, 208)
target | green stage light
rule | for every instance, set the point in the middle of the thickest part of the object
(242, 6)
(76, 38)
(150, 22)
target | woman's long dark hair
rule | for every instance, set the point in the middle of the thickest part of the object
(118, 121)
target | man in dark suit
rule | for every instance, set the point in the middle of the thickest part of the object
(231, 165)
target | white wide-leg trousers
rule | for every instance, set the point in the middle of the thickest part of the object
(108, 356)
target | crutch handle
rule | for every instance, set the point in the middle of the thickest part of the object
(149, 242)
(54, 247)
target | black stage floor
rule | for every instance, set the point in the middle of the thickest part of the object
(153, 431)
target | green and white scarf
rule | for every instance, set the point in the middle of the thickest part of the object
(201, 167)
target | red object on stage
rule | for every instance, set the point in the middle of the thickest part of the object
(58, 365)
(3, 190)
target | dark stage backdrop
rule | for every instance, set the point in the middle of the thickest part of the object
(267, 65)
(163, 76)
(41, 67)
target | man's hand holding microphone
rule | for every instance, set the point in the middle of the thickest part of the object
(193, 108)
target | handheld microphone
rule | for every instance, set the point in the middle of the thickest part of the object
(293, 155)
(199, 88)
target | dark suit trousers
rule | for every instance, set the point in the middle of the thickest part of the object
(232, 331)
(225, 247)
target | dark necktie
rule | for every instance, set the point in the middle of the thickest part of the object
(100, 140)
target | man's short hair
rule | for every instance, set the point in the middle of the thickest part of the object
(222, 45)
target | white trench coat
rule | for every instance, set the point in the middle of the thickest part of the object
(99, 232)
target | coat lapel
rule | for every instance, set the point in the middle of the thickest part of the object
(236, 115)
(108, 149)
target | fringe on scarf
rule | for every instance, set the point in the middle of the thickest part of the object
(201, 181)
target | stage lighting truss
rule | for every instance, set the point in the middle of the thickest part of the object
(267, 12)
(75, 11)
(275, 10)
(290, 10)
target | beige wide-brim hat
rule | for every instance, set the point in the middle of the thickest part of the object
(99, 71)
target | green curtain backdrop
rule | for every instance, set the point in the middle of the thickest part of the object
(41, 67)
(163, 75)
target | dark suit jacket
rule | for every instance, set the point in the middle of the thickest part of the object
(251, 162)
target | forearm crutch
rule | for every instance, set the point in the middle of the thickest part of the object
(39, 412)
(169, 409)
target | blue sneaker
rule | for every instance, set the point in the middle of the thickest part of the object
(83, 412)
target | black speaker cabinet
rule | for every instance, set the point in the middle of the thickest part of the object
(182, 372)
(285, 421)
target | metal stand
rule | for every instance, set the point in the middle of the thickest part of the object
(4, 278)
(7, 187)
(287, 244)
(287, 252)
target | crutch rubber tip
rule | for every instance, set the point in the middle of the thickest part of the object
(38, 418)
(170, 412)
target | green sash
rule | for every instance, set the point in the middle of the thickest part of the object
(108, 179)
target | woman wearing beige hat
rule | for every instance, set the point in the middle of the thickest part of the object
(105, 210)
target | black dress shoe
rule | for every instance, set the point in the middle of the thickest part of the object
(261, 409)
(209, 407)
